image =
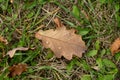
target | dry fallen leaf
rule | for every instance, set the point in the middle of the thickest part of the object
(12, 52)
(62, 42)
(17, 69)
(2, 39)
(115, 47)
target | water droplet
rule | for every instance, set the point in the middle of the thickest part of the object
(47, 42)
(59, 47)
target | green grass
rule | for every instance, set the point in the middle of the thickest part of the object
(98, 21)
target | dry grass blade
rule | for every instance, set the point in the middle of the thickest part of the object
(12, 52)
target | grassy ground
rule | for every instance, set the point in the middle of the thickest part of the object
(98, 21)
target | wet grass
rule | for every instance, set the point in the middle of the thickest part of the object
(97, 21)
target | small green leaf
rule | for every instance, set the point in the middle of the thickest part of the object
(108, 77)
(86, 77)
(72, 63)
(30, 5)
(100, 77)
(70, 66)
(75, 11)
(49, 54)
(30, 14)
(99, 63)
(15, 16)
(105, 77)
(117, 7)
(3, 7)
(103, 52)
(103, 1)
(83, 31)
(97, 45)
(117, 56)
(85, 65)
(109, 63)
(8, 18)
(92, 53)
(108, 51)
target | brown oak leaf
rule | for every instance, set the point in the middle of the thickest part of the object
(62, 42)
(12, 52)
(115, 47)
(17, 69)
